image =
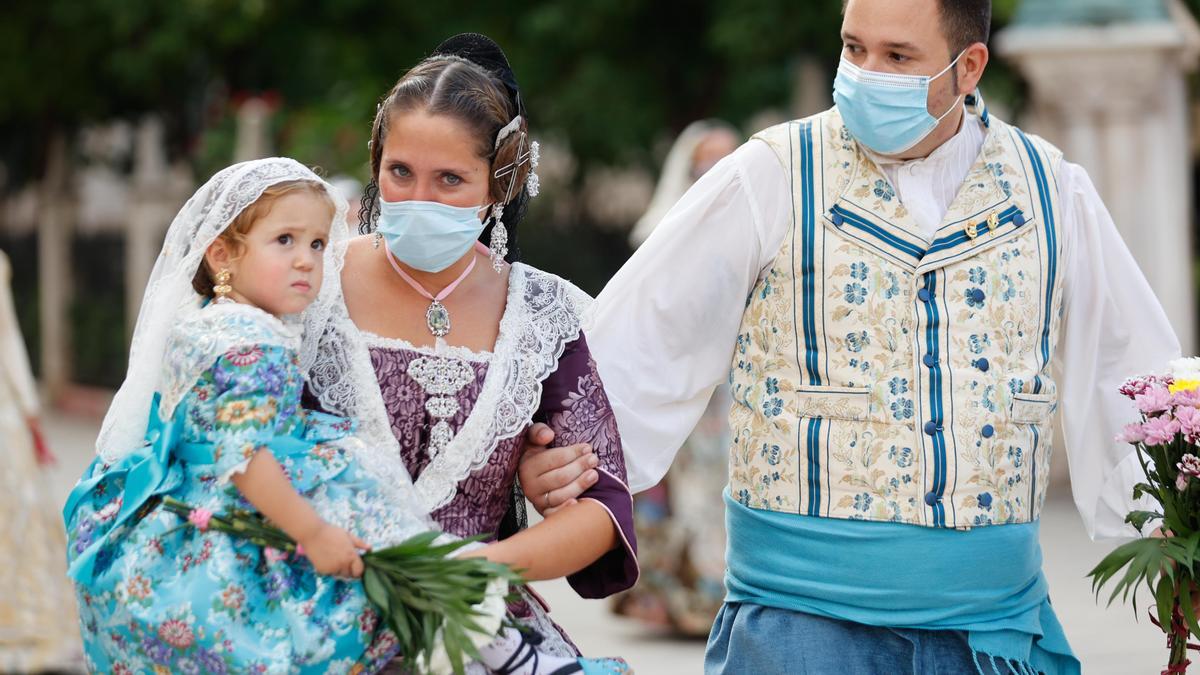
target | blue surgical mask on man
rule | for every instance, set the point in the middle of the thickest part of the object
(887, 112)
(429, 236)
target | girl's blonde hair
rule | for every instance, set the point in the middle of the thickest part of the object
(235, 235)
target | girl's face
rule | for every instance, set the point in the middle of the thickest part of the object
(282, 259)
(432, 158)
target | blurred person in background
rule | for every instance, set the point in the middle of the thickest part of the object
(681, 529)
(37, 612)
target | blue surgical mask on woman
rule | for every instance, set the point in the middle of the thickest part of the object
(429, 236)
(887, 112)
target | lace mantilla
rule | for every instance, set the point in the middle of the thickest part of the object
(169, 297)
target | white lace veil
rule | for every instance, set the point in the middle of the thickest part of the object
(170, 298)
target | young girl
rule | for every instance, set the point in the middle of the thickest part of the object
(216, 368)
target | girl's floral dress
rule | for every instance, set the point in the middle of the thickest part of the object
(156, 597)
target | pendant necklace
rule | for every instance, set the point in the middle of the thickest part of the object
(437, 317)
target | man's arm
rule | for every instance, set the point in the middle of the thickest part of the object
(1114, 328)
(664, 329)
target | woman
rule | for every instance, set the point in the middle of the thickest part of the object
(682, 549)
(36, 604)
(468, 347)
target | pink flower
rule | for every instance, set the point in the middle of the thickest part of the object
(1160, 430)
(1186, 398)
(1153, 400)
(274, 554)
(1135, 386)
(200, 517)
(1189, 464)
(176, 633)
(1189, 423)
(1189, 468)
(1132, 433)
(299, 550)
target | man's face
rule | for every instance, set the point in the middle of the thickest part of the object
(901, 36)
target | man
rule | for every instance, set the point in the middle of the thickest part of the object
(891, 281)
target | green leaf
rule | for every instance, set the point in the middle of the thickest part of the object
(1189, 610)
(376, 590)
(1139, 518)
(1164, 600)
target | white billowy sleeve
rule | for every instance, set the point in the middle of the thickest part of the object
(664, 329)
(14, 361)
(1113, 328)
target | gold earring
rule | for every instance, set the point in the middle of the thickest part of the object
(221, 287)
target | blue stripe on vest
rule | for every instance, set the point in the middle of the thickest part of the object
(814, 466)
(937, 415)
(808, 304)
(1033, 469)
(878, 232)
(1043, 187)
(961, 237)
(807, 254)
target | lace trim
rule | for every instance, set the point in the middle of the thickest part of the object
(440, 349)
(204, 334)
(340, 375)
(541, 317)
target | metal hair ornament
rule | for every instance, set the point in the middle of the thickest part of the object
(498, 245)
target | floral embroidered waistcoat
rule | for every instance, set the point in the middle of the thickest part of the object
(885, 374)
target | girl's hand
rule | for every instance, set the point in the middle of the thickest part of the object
(334, 551)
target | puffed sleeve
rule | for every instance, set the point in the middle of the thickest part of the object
(575, 406)
(255, 394)
(664, 328)
(1113, 328)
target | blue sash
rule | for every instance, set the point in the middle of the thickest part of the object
(986, 581)
(153, 470)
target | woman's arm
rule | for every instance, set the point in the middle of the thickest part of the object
(591, 542)
(566, 542)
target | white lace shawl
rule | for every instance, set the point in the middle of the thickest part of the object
(541, 317)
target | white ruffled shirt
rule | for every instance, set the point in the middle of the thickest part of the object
(664, 329)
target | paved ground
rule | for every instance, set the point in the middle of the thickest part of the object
(1108, 641)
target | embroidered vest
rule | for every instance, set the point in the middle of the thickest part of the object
(882, 374)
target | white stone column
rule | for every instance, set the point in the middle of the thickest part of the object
(252, 137)
(55, 217)
(149, 214)
(1114, 99)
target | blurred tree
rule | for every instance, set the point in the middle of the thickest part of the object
(612, 75)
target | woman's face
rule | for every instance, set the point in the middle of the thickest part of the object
(432, 158)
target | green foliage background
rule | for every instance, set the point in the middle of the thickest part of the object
(613, 77)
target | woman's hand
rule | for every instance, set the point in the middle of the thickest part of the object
(552, 478)
(334, 551)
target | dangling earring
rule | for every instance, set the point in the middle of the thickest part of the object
(498, 246)
(221, 287)
(378, 238)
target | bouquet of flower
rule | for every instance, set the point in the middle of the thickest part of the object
(1167, 441)
(431, 601)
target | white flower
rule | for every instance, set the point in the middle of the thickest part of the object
(1185, 368)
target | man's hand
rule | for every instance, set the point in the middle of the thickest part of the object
(553, 477)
